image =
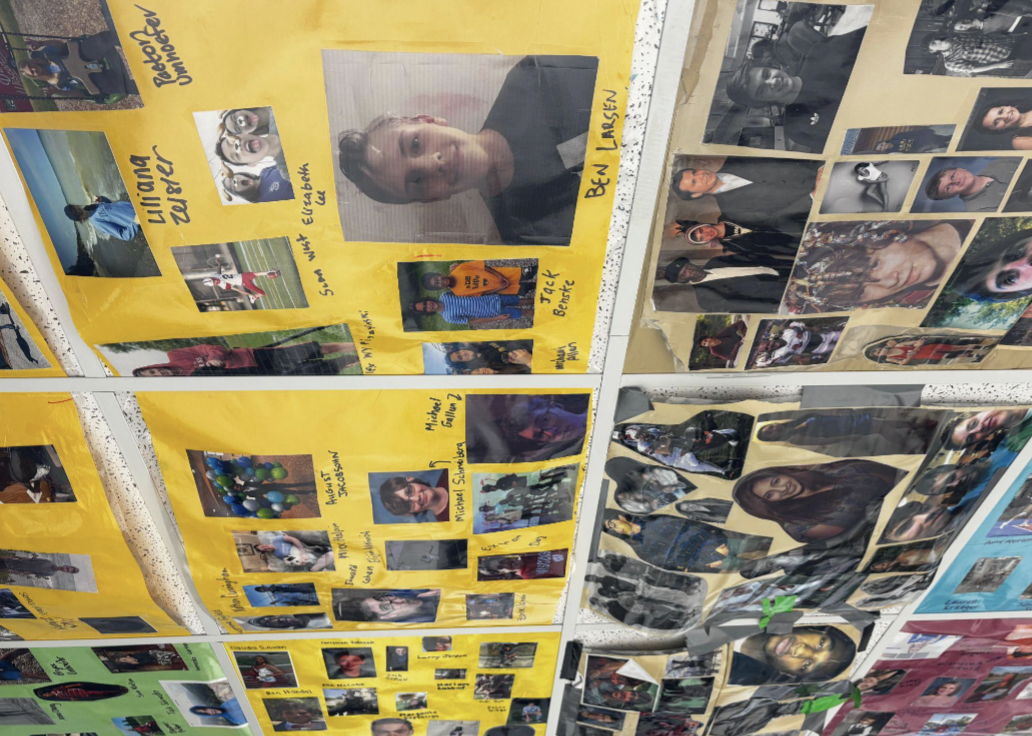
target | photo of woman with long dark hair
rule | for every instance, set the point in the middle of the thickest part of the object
(1000, 120)
(673, 543)
(822, 501)
(642, 489)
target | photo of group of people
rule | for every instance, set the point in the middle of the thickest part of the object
(509, 357)
(505, 501)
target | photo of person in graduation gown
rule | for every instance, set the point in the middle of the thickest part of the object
(525, 161)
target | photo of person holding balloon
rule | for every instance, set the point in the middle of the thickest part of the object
(255, 486)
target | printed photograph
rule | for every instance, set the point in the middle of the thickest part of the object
(33, 474)
(313, 351)
(913, 557)
(295, 714)
(718, 340)
(415, 497)
(17, 350)
(523, 566)
(506, 501)
(1016, 518)
(688, 695)
(285, 622)
(132, 725)
(439, 296)
(991, 287)
(255, 486)
(243, 275)
(265, 670)
(11, 607)
(890, 263)
(868, 186)
(79, 691)
(403, 606)
(820, 501)
(508, 357)
(913, 520)
(278, 551)
(880, 682)
(930, 349)
(999, 683)
(434, 554)
(893, 591)
(681, 545)
(120, 625)
(410, 701)
(493, 687)
(65, 56)
(987, 574)
(1020, 199)
(524, 428)
(495, 655)
(141, 658)
(1001, 119)
(349, 663)
(437, 643)
(529, 710)
(206, 704)
(807, 654)
(786, 67)
(686, 665)
(965, 184)
(397, 659)
(944, 692)
(281, 594)
(20, 667)
(483, 149)
(810, 591)
(360, 701)
(862, 723)
(604, 717)
(42, 570)
(606, 685)
(1019, 724)
(898, 139)
(853, 432)
(74, 181)
(449, 674)
(245, 155)
(795, 343)
(983, 39)
(1020, 333)
(490, 606)
(919, 646)
(711, 442)
(454, 728)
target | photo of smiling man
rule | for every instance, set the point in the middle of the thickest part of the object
(416, 497)
(965, 184)
(482, 149)
(403, 606)
(808, 654)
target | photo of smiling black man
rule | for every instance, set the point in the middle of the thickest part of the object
(245, 155)
(458, 148)
(806, 654)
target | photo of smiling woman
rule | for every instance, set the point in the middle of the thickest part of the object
(489, 150)
(1001, 120)
(814, 502)
(245, 155)
(808, 654)
(844, 266)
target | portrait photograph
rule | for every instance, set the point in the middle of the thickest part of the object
(490, 606)
(410, 701)
(397, 659)
(506, 501)
(987, 574)
(119, 625)
(898, 140)
(521, 428)
(795, 343)
(862, 723)
(970, 40)
(503, 357)
(284, 622)
(413, 497)
(245, 155)
(458, 148)
(141, 658)
(807, 654)
(506, 655)
(785, 70)
(403, 606)
(74, 181)
(265, 670)
(33, 474)
(66, 56)
(965, 184)
(493, 687)
(718, 341)
(529, 710)
(437, 643)
(12, 607)
(327, 350)
(57, 571)
(284, 551)
(431, 554)
(266, 486)
(853, 432)
(523, 566)
(206, 704)
(360, 701)
(876, 185)
(438, 296)
(873, 264)
(1000, 120)
(880, 681)
(711, 442)
(296, 714)
(606, 685)
(349, 663)
(281, 594)
(242, 275)
(20, 667)
(991, 287)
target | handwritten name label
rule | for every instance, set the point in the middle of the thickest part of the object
(561, 293)
(310, 196)
(441, 415)
(568, 353)
(365, 342)
(159, 53)
(147, 185)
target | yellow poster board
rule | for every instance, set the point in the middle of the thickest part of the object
(23, 352)
(464, 685)
(66, 572)
(372, 509)
(254, 142)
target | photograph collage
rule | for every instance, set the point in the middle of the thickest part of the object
(154, 689)
(811, 221)
(341, 221)
(845, 507)
(483, 685)
(458, 510)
